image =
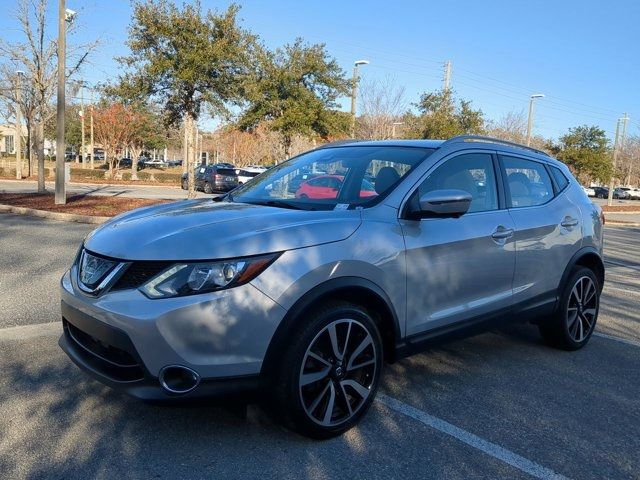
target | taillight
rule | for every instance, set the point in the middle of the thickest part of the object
(217, 176)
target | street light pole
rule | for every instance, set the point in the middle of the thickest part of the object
(60, 195)
(64, 16)
(530, 121)
(354, 94)
(18, 135)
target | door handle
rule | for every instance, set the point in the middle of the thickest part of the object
(569, 222)
(500, 233)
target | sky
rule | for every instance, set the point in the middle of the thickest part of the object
(582, 54)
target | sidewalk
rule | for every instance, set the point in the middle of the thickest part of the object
(167, 192)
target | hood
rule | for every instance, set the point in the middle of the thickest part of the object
(204, 230)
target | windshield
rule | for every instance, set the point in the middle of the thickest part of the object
(322, 179)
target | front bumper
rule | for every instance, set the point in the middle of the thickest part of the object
(123, 339)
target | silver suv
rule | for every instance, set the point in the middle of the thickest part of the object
(305, 292)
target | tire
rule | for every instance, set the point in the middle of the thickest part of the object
(185, 185)
(207, 188)
(343, 377)
(572, 325)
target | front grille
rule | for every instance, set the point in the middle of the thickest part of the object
(111, 361)
(138, 273)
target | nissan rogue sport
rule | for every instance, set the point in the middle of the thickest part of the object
(307, 297)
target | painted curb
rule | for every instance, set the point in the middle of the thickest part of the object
(622, 224)
(65, 217)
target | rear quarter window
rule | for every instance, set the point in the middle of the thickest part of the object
(560, 179)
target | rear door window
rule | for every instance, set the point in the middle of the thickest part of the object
(527, 182)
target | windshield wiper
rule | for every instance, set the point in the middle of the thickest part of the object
(277, 204)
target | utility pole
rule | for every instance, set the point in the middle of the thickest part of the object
(82, 149)
(447, 77)
(18, 135)
(354, 94)
(530, 119)
(91, 135)
(185, 148)
(616, 148)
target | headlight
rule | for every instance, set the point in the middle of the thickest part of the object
(201, 277)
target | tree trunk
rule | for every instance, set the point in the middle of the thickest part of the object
(135, 155)
(40, 143)
(190, 150)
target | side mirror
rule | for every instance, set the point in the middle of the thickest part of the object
(444, 203)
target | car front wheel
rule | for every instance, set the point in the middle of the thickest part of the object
(330, 372)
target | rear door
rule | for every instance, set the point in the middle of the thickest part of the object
(459, 269)
(548, 230)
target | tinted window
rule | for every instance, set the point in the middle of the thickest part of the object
(471, 172)
(559, 177)
(528, 182)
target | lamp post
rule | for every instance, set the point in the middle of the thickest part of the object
(354, 93)
(530, 121)
(18, 136)
(64, 16)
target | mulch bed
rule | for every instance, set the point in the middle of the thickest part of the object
(79, 204)
(621, 208)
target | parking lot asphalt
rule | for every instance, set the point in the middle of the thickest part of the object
(497, 405)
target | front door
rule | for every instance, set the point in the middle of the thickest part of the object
(462, 268)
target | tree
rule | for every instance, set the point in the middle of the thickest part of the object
(586, 150)
(441, 115)
(114, 127)
(294, 91)
(187, 60)
(37, 57)
(512, 127)
(382, 104)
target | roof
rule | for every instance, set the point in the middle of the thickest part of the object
(385, 143)
(468, 139)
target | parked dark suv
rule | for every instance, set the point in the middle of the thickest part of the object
(212, 178)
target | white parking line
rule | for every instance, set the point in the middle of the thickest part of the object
(617, 339)
(620, 264)
(496, 451)
(26, 332)
(623, 290)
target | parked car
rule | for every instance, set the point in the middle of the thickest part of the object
(589, 192)
(293, 184)
(328, 186)
(601, 192)
(125, 162)
(157, 163)
(621, 193)
(306, 299)
(174, 163)
(633, 193)
(247, 173)
(212, 178)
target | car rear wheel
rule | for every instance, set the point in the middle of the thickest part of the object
(330, 372)
(207, 188)
(185, 185)
(575, 319)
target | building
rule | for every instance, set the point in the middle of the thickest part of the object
(7, 139)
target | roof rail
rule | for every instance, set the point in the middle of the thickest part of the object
(483, 138)
(337, 143)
